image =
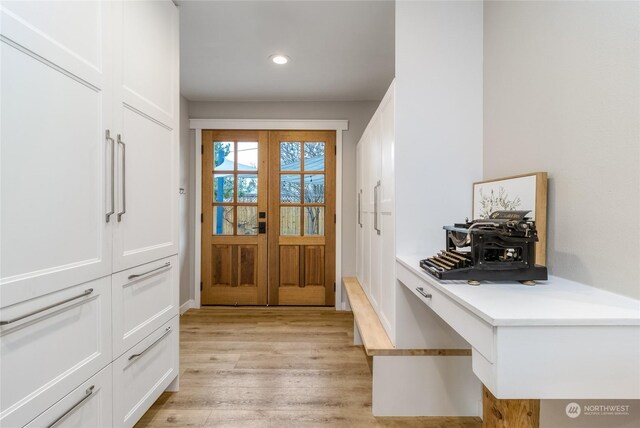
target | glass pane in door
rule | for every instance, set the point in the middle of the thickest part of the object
(223, 155)
(247, 156)
(222, 220)
(290, 156)
(314, 156)
(314, 188)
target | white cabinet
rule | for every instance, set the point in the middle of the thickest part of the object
(49, 345)
(56, 104)
(88, 199)
(375, 244)
(89, 405)
(143, 372)
(146, 118)
(144, 298)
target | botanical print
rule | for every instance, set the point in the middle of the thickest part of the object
(497, 201)
(510, 194)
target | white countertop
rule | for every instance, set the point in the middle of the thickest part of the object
(556, 301)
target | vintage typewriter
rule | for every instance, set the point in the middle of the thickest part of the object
(499, 248)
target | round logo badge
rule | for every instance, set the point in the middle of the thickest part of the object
(573, 410)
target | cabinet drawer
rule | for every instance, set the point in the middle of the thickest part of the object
(89, 405)
(143, 372)
(144, 298)
(65, 340)
(474, 330)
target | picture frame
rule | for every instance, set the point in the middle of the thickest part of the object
(517, 192)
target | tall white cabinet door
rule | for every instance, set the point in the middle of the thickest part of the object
(387, 142)
(147, 115)
(359, 214)
(55, 105)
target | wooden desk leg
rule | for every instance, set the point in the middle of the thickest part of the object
(509, 413)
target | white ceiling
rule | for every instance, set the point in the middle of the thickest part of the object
(340, 50)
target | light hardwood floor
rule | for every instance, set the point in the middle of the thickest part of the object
(274, 367)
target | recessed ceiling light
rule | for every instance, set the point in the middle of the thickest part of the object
(280, 59)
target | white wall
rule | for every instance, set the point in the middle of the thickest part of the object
(187, 204)
(562, 94)
(358, 113)
(438, 118)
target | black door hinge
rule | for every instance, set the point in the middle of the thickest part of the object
(202, 149)
(200, 285)
(334, 219)
(201, 218)
(334, 287)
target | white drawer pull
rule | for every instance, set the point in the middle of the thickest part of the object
(138, 275)
(421, 291)
(167, 331)
(88, 393)
(86, 293)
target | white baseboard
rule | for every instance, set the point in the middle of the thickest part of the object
(189, 304)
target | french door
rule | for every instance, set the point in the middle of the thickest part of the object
(268, 232)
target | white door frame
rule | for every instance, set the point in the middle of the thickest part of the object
(268, 125)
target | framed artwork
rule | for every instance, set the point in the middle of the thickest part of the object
(519, 192)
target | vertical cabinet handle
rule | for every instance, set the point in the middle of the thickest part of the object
(124, 178)
(113, 175)
(375, 207)
(360, 208)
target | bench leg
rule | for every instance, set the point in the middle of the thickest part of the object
(357, 339)
(425, 386)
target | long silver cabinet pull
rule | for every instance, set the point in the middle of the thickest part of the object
(138, 275)
(88, 394)
(113, 175)
(124, 178)
(375, 207)
(421, 291)
(167, 331)
(360, 208)
(86, 293)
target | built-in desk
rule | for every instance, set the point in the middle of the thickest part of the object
(555, 340)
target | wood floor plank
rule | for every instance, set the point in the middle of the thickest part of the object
(274, 367)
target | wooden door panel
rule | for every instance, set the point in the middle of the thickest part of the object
(234, 188)
(221, 265)
(314, 265)
(302, 217)
(247, 265)
(302, 296)
(290, 265)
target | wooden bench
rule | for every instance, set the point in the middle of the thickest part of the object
(407, 382)
(373, 335)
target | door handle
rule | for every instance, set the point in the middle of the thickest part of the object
(124, 178)
(113, 175)
(360, 208)
(375, 207)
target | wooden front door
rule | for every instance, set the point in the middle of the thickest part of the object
(234, 208)
(277, 249)
(302, 217)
